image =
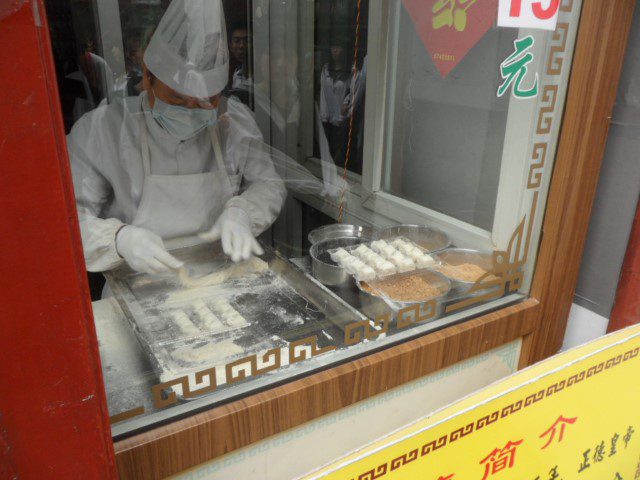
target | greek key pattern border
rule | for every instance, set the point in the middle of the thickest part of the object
(507, 410)
(507, 273)
(204, 381)
(506, 277)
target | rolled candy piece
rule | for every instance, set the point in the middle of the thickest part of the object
(339, 255)
(424, 260)
(379, 245)
(350, 263)
(366, 273)
(385, 268)
(388, 251)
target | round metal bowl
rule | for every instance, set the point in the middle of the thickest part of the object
(339, 230)
(459, 256)
(371, 304)
(429, 238)
(381, 304)
(324, 268)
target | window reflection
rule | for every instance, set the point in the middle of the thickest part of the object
(341, 48)
(210, 140)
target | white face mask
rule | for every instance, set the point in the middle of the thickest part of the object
(180, 122)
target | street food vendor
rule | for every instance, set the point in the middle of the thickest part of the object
(176, 160)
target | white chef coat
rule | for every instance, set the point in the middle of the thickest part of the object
(358, 85)
(108, 174)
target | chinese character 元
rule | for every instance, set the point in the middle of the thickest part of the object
(514, 69)
(614, 440)
(585, 462)
(500, 459)
(560, 424)
(451, 13)
(448, 477)
(599, 454)
(627, 436)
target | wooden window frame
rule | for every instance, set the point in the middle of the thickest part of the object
(540, 320)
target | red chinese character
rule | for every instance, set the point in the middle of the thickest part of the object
(560, 422)
(500, 459)
(448, 477)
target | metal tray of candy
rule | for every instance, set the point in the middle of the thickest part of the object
(276, 306)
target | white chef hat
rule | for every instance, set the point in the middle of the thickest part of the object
(188, 51)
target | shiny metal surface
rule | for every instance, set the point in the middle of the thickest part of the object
(325, 269)
(457, 256)
(280, 305)
(340, 230)
(381, 304)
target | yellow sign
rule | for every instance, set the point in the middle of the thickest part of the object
(574, 416)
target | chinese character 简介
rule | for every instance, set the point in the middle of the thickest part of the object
(560, 424)
(500, 459)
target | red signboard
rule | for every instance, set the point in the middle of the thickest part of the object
(449, 29)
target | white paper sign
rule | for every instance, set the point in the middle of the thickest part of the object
(541, 14)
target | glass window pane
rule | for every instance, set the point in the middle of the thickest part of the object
(255, 222)
(340, 85)
(448, 132)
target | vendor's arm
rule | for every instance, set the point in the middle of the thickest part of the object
(263, 192)
(93, 192)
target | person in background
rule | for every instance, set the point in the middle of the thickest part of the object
(134, 50)
(277, 91)
(241, 83)
(335, 80)
(177, 160)
(354, 105)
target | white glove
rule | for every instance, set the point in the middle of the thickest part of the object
(234, 228)
(144, 251)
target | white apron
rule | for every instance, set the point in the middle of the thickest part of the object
(179, 205)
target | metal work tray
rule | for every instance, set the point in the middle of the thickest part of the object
(280, 305)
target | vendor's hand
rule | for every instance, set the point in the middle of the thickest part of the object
(233, 227)
(144, 251)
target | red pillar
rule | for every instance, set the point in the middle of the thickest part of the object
(53, 414)
(626, 310)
